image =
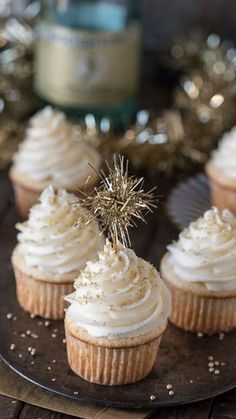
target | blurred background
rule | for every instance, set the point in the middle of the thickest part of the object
(178, 108)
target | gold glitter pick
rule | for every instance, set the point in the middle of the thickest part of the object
(117, 202)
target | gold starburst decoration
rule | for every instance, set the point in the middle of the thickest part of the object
(118, 202)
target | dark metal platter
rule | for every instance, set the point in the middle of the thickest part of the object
(182, 361)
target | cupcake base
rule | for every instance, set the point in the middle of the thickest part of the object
(106, 364)
(198, 310)
(24, 198)
(27, 195)
(40, 297)
(44, 299)
(223, 189)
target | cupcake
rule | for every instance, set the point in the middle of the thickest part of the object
(116, 318)
(221, 170)
(200, 271)
(53, 246)
(51, 154)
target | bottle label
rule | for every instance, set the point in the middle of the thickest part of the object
(85, 69)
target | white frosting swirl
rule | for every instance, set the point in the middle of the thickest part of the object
(224, 158)
(51, 153)
(206, 251)
(52, 241)
(119, 295)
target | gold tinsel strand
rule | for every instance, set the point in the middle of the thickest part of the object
(118, 202)
(16, 71)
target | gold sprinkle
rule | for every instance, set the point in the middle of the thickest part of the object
(33, 352)
(34, 335)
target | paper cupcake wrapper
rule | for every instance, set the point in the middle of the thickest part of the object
(197, 313)
(189, 200)
(25, 198)
(110, 366)
(45, 299)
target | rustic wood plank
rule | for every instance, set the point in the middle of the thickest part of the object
(10, 408)
(34, 412)
(224, 406)
(192, 411)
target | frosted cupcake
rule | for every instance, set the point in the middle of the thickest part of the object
(200, 271)
(51, 154)
(221, 170)
(51, 251)
(116, 319)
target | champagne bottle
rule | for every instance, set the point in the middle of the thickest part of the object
(87, 56)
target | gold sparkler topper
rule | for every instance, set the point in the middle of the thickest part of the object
(118, 202)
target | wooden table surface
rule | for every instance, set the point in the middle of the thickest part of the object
(223, 406)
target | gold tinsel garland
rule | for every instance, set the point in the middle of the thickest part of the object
(203, 104)
(203, 108)
(16, 70)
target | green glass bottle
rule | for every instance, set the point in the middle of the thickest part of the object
(87, 56)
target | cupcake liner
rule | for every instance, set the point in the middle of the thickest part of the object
(45, 299)
(25, 197)
(189, 200)
(110, 366)
(197, 313)
(223, 197)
